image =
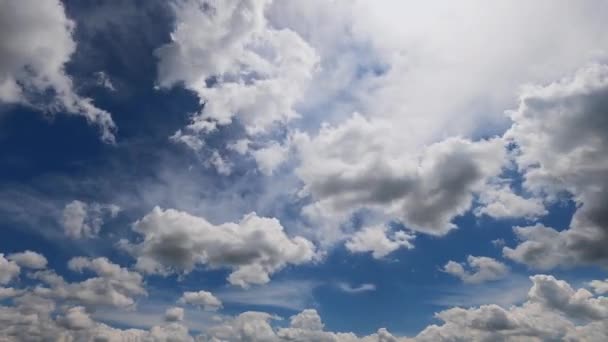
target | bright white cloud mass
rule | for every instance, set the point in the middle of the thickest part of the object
(286, 170)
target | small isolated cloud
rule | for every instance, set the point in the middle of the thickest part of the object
(203, 299)
(356, 289)
(477, 269)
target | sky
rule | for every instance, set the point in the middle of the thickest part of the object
(286, 170)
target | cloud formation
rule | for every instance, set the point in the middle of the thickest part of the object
(82, 220)
(35, 44)
(482, 269)
(254, 248)
(560, 133)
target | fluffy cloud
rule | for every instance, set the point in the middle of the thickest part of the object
(35, 44)
(499, 201)
(305, 326)
(361, 163)
(174, 315)
(29, 259)
(203, 299)
(82, 220)
(375, 240)
(550, 314)
(559, 130)
(237, 64)
(253, 248)
(8, 270)
(113, 285)
(482, 269)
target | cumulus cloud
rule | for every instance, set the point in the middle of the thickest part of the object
(378, 241)
(203, 299)
(9, 270)
(499, 201)
(482, 269)
(82, 220)
(361, 163)
(113, 286)
(35, 44)
(560, 133)
(253, 248)
(29, 259)
(174, 314)
(552, 312)
(236, 63)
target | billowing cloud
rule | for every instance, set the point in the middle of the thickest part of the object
(361, 163)
(560, 133)
(113, 285)
(29, 259)
(253, 248)
(82, 220)
(203, 299)
(499, 201)
(237, 64)
(35, 44)
(480, 269)
(379, 241)
(552, 312)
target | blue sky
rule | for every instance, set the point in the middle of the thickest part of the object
(257, 170)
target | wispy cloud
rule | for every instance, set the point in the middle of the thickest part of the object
(509, 291)
(356, 289)
(293, 295)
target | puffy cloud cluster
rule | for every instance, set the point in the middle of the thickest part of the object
(560, 133)
(482, 269)
(238, 65)
(35, 44)
(375, 240)
(253, 248)
(551, 313)
(82, 220)
(305, 326)
(112, 286)
(362, 163)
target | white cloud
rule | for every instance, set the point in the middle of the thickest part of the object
(82, 220)
(356, 289)
(204, 299)
(375, 240)
(9, 270)
(174, 314)
(361, 163)
(253, 248)
(29, 259)
(259, 73)
(499, 201)
(599, 286)
(113, 286)
(482, 269)
(559, 130)
(35, 44)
